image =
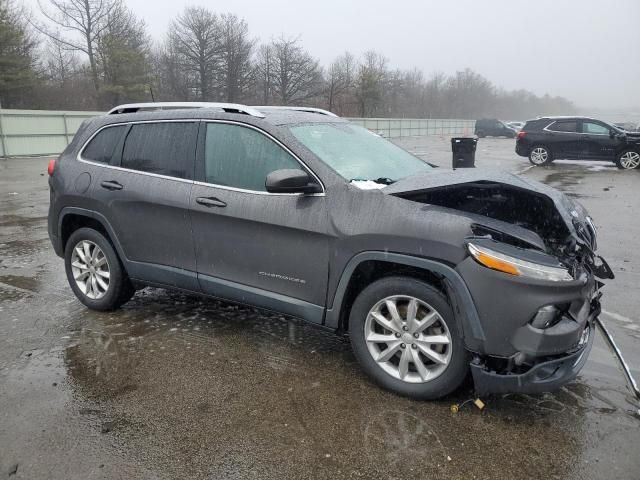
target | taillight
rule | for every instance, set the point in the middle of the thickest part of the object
(51, 167)
(521, 134)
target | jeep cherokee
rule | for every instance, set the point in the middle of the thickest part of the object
(433, 273)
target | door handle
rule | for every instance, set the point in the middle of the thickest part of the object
(210, 202)
(111, 185)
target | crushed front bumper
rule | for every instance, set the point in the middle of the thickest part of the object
(545, 376)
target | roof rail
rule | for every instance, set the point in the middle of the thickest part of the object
(299, 109)
(227, 107)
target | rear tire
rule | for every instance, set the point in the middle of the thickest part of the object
(540, 155)
(628, 159)
(426, 355)
(95, 272)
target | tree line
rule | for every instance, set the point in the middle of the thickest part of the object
(94, 54)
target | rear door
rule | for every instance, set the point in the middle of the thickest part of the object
(145, 197)
(564, 140)
(271, 250)
(599, 145)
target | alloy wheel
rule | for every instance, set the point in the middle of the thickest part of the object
(90, 269)
(539, 155)
(630, 160)
(408, 339)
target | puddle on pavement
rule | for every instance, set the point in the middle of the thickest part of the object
(230, 389)
(9, 220)
(24, 283)
(22, 248)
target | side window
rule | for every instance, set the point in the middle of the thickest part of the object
(241, 157)
(571, 127)
(164, 148)
(594, 128)
(102, 147)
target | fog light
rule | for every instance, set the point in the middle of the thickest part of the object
(545, 317)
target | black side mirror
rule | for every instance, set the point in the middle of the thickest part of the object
(291, 181)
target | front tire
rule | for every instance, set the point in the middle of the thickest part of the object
(95, 272)
(405, 337)
(540, 155)
(628, 160)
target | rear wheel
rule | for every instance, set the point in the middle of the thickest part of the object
(540, 155)
(94, 271)
(628, 160)
(404, 334)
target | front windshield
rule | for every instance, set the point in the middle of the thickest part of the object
(358, 154)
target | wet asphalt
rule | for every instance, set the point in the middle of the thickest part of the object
(175, 386)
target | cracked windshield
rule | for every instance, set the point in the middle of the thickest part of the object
(270, 240)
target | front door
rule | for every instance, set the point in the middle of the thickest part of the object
(146, 200)
(271, 250)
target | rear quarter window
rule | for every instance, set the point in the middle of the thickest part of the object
(102, 146)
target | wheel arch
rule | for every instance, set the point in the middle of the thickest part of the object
(436, 273)
(73, 218)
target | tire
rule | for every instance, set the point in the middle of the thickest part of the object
(480, 134)
(628, 159)
(435, 379)
(540, 155)
(103, 264)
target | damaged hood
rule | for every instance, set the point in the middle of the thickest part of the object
(569, 209)
(574, 215)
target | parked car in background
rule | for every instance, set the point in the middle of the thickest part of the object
(546, 139)
(491, 127)
(516, 125)
(304, 213)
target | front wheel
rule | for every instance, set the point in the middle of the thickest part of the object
(628, 160)
(405, 337)
(540, 155)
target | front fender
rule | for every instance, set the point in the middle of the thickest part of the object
(463, 305)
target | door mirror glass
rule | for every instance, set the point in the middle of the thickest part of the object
(291, 181)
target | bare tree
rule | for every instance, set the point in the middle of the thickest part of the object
(196, 37)
(340, 80)
(171, 81)
(62, 64)
(84, 20)
(264, 73)
(235, 57)
(370, 83)
(294, 75)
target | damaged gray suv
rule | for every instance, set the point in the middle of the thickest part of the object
(432, 273)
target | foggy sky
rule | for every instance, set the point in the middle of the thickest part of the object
(585, 50)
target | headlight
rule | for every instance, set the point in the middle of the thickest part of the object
(517, 266)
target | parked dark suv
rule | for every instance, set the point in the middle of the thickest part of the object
(491, 127)
(432, 272)
(553, 138)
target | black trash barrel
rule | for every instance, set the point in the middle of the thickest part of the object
(464, 152)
